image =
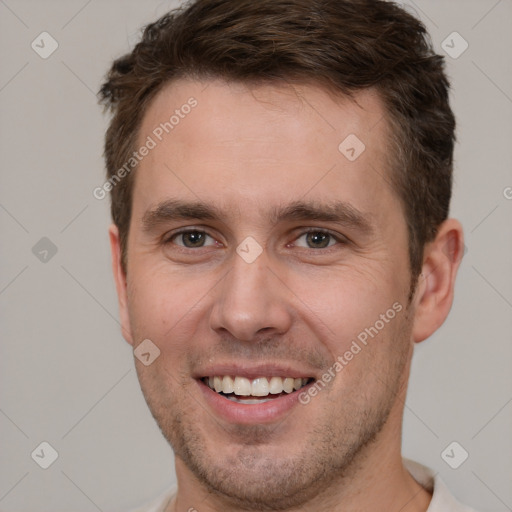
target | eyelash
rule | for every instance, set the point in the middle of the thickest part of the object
(171, 237)
(338, 238)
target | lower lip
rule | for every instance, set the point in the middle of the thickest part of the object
(249, 414)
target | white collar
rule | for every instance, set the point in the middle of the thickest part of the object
(442, 500)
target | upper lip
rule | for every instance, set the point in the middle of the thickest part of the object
(252, 371)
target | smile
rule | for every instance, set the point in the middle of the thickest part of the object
(256, 391)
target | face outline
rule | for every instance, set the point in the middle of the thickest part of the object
(294, 310)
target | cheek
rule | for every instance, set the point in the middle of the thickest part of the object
(369, 364)
(150, 305)
(165, 309)
(347, 302)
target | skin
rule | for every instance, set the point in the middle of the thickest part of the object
(247, 150)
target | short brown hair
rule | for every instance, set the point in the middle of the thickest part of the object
(344, 45)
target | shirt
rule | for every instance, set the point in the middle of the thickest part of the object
(442, 500)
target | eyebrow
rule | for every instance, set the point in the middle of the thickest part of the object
(338, 212)
(335, 211)
(175, 209)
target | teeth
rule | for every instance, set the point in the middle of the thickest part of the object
(248, 401)
(288, 385)
(260, 387)
(276, 385)
(242, 386)
(217, 383)
(228, 385)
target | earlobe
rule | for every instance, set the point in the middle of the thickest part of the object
(121, 284)
(434, 294)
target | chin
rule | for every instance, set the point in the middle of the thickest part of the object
(255, 479)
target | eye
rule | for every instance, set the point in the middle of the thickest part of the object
(317, 239)
(191, 239)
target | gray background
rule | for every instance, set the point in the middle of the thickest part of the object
(67, 376)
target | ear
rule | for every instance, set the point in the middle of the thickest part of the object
(434, 294)
(120, 280)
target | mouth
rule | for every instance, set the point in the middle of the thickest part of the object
(260, 390)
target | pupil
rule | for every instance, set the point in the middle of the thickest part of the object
(319, 240)
(195, 238)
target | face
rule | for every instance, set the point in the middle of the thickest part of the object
(263, 255)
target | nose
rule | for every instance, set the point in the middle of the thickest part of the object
(250, 301)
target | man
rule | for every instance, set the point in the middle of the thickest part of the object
(280, 174)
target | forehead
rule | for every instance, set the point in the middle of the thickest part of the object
(250, 146)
